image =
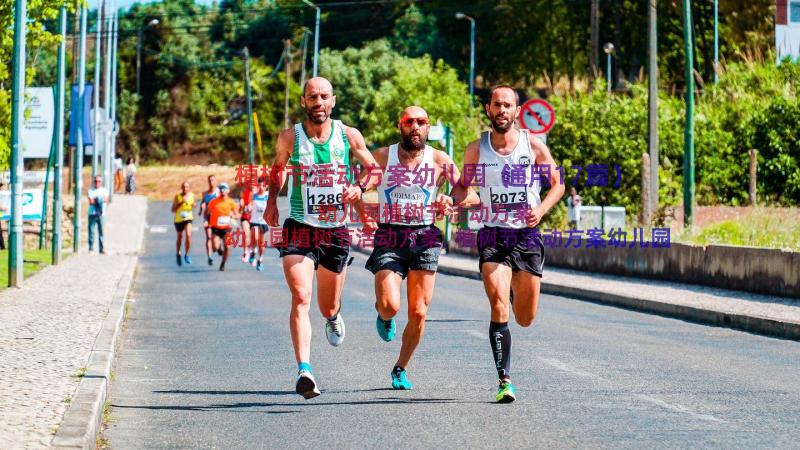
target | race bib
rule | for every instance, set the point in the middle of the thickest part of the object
(508, 199)
(224, 220)
(185, 214)
(327, 200)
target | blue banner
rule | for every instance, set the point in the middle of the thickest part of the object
(75, 107)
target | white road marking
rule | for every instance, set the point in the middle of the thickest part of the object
(560, 365)
(158, 229)
(477, 334)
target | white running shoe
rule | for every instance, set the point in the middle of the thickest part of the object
(334, 330)
(306, 385)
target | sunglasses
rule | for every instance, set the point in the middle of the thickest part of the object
(410, 121)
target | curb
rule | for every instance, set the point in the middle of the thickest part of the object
(81, 423)
(752, 324)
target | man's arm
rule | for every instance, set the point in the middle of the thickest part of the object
(556, 191)
(358, 149)
(463, 194)
(283, 151)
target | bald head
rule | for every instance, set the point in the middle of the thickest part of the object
(414, 111)
(414, 126)
(318, 84)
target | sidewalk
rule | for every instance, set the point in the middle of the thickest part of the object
(49, 328)
(762, 314)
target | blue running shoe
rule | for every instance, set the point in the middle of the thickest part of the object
(187, 259)
(386, 328)
(400, 381)
(252, 258)
(259, 266)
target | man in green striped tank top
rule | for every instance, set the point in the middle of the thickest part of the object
(317, 151)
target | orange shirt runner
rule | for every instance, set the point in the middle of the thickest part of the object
(221, 209)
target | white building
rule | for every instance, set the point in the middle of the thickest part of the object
(787, 29)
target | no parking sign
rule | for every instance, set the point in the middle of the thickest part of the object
(537, 116)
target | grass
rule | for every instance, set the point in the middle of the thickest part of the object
(33, 261)
(769, 228)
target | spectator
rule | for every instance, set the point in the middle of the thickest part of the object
(98, 196)
(573, 208)
(119, 178)
(130, 178)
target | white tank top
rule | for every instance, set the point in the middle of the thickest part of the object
(502, 200)
(408, 200)
(259, 203)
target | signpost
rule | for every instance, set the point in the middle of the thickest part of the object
(32, 201)
(537, 116)
(37, 131)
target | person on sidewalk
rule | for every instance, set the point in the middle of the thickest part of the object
(573, 208)
(182, 206)
(246, 206)
(511, 251)
(222, 212)
(130, 177)
(119, 178)
(98, 197)
(317, 237)
(407, 243)
(208, 196)
(258, 224)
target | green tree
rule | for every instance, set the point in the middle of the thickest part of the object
(415, 34)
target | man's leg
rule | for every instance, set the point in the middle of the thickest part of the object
(91, 232)
(188, 237)
(526, 297)
(209, 241)
(387, 293)
(329, 300)
(178, 240)
(245, 240)
(497, 283)
(299, 273)
(100, 238)
(420, 290)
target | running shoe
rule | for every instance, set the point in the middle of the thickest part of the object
(253, 259)
(386, 328)
(259, 266)
(222, 266)
(306, 385)
(210, 261)
(187, 259)
(178, 259)
(400, 381)
(220, 251)
(334, 330)
(506, 393)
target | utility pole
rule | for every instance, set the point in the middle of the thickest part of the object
(316, 38)
(59, 161)
(716, 40)
(652, 105)
(98, 58)
(113, 112)
(251, 156)
(688, 144)
(77, 156)
(306, 32)
(595, 38)
(15, 236)
(287, 47)
(107, 92)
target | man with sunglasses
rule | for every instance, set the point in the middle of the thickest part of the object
(407, 243)
(511, 251)
(316, 240)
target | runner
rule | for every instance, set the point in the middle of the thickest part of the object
(511, 251)
(258, 224)
(222, 211)
(407, 243)
(182, 206)
(317, 238)
(208, 195)
(245, 205)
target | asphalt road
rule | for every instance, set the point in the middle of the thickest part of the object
(206, 362)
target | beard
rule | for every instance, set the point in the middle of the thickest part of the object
(501, 128)
(314, 117)
(413, 142)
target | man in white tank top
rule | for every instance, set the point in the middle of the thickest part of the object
(511, 251)
(320, 147)
(407, 243)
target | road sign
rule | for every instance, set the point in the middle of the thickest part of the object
(31, 204)
(37, 132)
(537, 115)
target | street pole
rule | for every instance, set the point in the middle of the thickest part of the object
(716, 40)
(316, 38)
(306, 32)
(112, 151)
(652, 106)
(287, 44)
(15, 236)
(251, 157)
(460, 15)
(138, 60)
(608, 48)
(595, 38)
(78, 154)
(59, 160)
(688, 145)
(107, 91)
(95, 94)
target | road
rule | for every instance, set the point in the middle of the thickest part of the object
(206, 362)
